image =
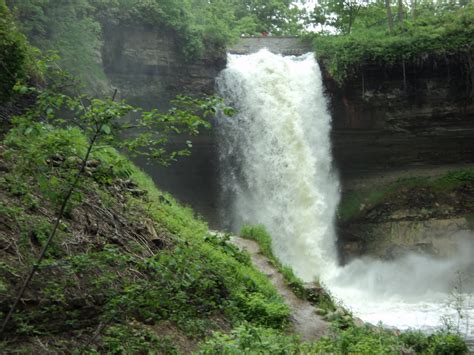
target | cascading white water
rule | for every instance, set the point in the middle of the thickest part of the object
(275, 161)
(276, 156)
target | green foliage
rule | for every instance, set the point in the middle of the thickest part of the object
(447, 344)
(248, 339)
(277, 17)
(201, 276)
(134, 338)
(14, 54)
(454, 179)
(293, 281)
(39, 151)
(322, 300)
(68, 27)
(204, 26)
(260, 235)
(75, 29)
(449, 33)
(230, 249)
(46, 155)
(437, 343)
(102, 123)
(360, 340)
(193, 282)
(416, 340)
(198, 278)
(339, 14)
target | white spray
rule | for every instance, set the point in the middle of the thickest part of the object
(276, 156)
(276, 171)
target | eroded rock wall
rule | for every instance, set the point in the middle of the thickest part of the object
(148, 67)
(384, 120)
(391, 123)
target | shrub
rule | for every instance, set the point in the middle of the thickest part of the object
(360, 340)
(14, 54)
(249, 339)
(447, 344)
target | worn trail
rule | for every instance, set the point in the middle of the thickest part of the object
(305, 321)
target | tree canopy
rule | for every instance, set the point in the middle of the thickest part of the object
(75, 28)
(14, 53)
(389, 32)
(349, 31)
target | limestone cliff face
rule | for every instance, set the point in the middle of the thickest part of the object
(389, 126)
(385, 120)
(147, 66)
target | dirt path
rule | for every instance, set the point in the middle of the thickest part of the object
(305, 320)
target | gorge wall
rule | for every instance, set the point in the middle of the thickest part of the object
(386, 126)
(383, 120)
(394, 138)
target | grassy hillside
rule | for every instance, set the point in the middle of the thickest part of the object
(128, 259)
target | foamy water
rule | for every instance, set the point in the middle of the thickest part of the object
(414, 291)
(276, 170)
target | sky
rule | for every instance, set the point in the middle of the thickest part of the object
(308, 4)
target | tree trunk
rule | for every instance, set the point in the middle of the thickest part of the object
(471, 72)
(413, 10)
(400, 14)
(389, 16)
(349, 25)
(404, 76)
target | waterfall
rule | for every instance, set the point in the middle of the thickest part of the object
(276, 169)
(276, 157)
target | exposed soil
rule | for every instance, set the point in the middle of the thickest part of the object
(305, 321)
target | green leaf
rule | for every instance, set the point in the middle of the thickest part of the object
(106, 129)
(229, 111)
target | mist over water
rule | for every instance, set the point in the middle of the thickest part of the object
(413, 291)
(276, 170)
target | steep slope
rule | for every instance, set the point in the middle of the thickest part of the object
(130, 269)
